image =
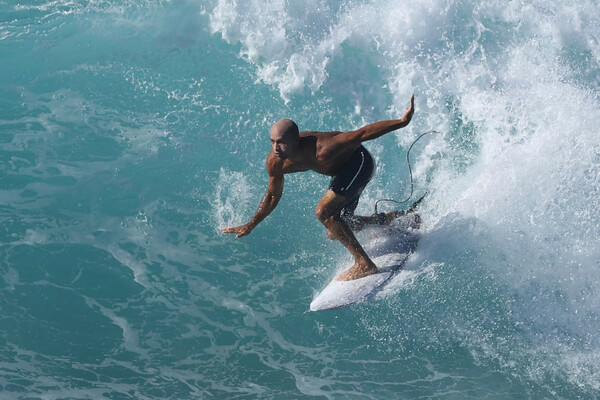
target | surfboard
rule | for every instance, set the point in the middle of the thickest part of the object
(389, 247)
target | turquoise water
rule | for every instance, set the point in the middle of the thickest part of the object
(131, 131)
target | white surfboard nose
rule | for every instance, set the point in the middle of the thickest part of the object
(344, 293)
(388, 253)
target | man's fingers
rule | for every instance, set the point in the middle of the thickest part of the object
(240, 230)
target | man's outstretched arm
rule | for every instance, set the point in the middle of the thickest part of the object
(268, 204)
(373, 131)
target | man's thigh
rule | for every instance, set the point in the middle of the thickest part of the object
(330, 204)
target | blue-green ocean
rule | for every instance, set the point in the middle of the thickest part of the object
(131, 131)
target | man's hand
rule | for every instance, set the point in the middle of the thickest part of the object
(241, 230)
(268, 203)
(410, 110)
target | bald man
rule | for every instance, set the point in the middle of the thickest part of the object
(336, 154)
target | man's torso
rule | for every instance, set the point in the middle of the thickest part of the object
(317, 151)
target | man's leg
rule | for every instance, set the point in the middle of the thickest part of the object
(359, 222)
(328, 212)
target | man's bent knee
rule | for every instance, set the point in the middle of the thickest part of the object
(324, 216)
(330, 235)
(324, 213)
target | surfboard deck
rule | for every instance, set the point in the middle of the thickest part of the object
(389, 250)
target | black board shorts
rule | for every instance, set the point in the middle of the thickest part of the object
(353, 178)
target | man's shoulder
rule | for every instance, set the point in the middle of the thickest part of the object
(320, 135)
(274, 164)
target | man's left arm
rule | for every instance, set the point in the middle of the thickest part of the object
(378, 129)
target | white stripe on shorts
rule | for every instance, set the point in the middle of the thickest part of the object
(362, 161)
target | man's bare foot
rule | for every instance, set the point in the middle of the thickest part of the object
(415, 221)
(392, 215)
(389, 216)
(357, 271)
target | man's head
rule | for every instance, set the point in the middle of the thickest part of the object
(284, 137)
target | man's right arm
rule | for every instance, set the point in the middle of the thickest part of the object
(267, 205)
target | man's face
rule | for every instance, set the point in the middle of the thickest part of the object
(284, 138)
(282, 144)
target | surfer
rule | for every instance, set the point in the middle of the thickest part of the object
(336, 154)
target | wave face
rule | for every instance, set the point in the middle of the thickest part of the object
(131, 131)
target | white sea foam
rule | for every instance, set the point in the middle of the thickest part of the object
(518, 152)
(130, 335)
(233, 199)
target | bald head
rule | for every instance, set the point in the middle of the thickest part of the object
(284, 137)
(285, 128)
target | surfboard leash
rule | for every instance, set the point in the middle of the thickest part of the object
(412, 185)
